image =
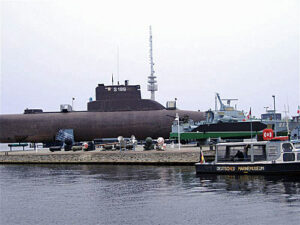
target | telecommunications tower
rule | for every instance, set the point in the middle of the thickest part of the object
(152, 86)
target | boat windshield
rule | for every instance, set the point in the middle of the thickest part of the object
(235, 153)
(287, 147)
(297, 146)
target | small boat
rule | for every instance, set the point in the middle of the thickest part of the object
(277, 156)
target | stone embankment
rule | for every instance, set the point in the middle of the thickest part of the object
(185, 156)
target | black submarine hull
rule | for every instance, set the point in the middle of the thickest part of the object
(43, 127)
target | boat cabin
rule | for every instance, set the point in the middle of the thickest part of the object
(264, 157)
(252, 152)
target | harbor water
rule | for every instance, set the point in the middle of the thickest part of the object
(131, 194)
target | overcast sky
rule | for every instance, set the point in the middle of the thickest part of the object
(52, 51)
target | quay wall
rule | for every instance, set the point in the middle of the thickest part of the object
(173, 157)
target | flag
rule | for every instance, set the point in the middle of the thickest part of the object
(249, 114)
(202, 160)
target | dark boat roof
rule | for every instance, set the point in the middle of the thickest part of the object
(231, 126)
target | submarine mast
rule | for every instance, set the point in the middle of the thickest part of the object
(152, 86)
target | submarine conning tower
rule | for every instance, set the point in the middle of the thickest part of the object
(125, 97)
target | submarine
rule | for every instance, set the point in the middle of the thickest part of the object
(118, 110)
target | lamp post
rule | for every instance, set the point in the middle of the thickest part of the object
(178, 130)
(73, 103)
(251, 128)
(274, 116)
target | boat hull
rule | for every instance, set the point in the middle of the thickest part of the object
(43, 127)
(231, 127)
(249, 168)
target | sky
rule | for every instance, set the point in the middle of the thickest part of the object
(52, 51)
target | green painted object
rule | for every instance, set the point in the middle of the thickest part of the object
(223, 135)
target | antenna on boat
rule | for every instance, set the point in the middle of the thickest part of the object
(287, 120)
(118, 65)
(216, 106)
(152, 87)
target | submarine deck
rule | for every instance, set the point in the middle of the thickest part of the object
(184, 156)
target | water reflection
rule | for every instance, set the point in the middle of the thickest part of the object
(179, 176)
(123, 194)
(283, 188)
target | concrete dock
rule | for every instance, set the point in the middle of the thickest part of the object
(185, 156)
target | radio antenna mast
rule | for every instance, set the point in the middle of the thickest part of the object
(152, 86)
(118, 59)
